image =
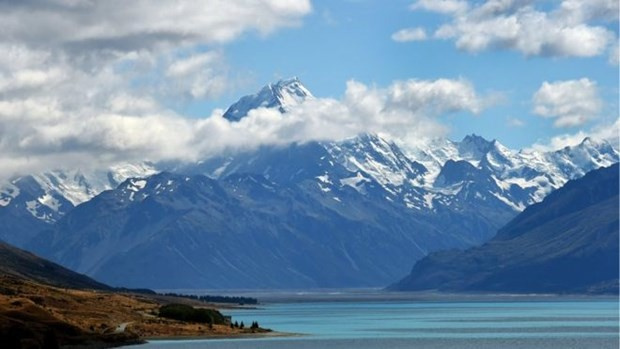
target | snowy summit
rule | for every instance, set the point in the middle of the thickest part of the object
(282, 95)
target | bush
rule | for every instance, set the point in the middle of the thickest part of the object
(216, 299)
(188, 313)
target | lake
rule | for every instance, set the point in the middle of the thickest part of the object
(363, 322)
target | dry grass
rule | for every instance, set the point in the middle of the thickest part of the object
(96, 314)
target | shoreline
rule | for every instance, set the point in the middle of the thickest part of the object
(372, 295)
(269, 334)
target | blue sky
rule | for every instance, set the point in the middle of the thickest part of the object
(343, 40)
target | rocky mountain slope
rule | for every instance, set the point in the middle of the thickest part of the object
(34, 202)
(171, 231)
(567, 243)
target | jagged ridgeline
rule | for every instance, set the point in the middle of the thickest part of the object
(568, 243)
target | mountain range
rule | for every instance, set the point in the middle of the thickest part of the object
(568, 243)
(31, 203)
(355, 212)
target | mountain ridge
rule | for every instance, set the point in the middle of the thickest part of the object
(22, 264)
(567, 243)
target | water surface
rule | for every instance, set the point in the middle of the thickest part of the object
(364, 324)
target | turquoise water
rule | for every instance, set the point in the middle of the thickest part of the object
(397, 324)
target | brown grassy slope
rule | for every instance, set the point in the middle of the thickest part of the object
(23, 264)
(35, 315)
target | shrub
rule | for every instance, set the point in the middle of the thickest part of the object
(188, 313)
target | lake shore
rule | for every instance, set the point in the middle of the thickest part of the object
(267, 297)
(268, 334)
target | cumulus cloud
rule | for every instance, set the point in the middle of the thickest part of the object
(138, 129)
(578, 11)
(409, 34)
(571, 103)
(574, 28)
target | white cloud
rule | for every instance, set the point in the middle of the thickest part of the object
(409, 34)
(435, 97)
(39, 38)
(515, 122)
(607, 132)
(201, 75)
(82, 81)
(406, 110)
(578, 11)
(126, 103)
(133, 128)
(441, 6)
(571, 103)
(115, 25)
(191, 65)
(614, 54)
(571, 29)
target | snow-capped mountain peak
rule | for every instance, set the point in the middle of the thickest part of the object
(47, 196)
(281, 95)
(381, 159)
(290, 92)
(474, 147)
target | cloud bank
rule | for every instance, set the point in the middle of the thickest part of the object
(573, 28)
(111, 25)
(82, 82)
(131, 129)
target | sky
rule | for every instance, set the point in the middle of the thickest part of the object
(86, 82)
